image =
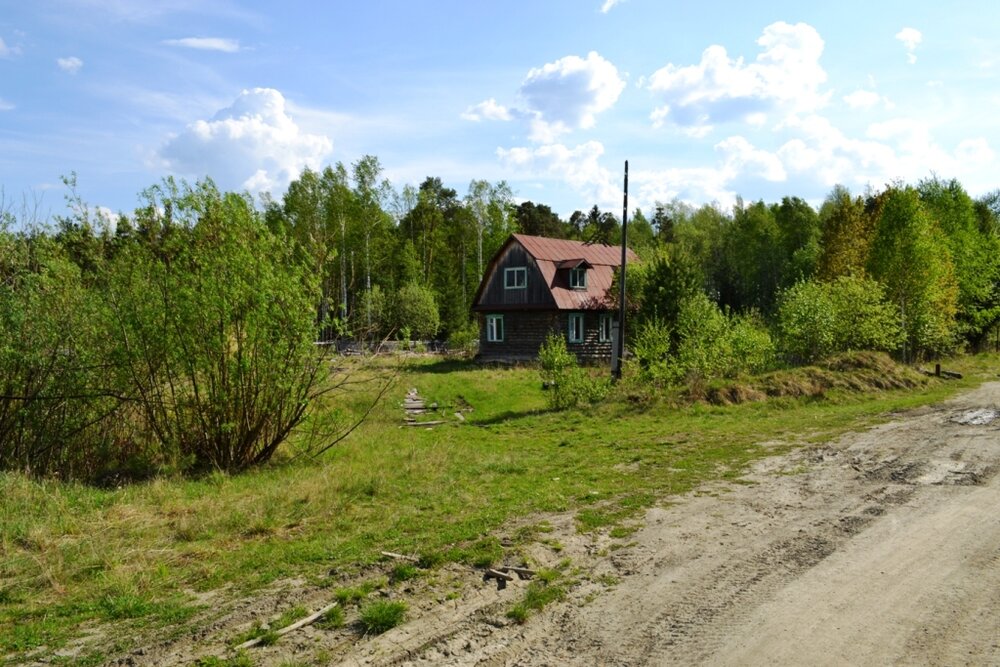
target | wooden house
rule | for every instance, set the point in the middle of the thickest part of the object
(534, 286)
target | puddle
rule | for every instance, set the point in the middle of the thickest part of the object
(980, 417)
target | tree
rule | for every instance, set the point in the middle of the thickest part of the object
(490, 206)
(799, 230)
(976, 256)
(846, 235)
(539, 220)
(909, 255)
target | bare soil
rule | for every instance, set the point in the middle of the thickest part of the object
(882, 547)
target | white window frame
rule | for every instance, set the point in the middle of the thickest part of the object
(572, 335)
(494, 326)
(515, 277)
(606, 324)
(578, 278)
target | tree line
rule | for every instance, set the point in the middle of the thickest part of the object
(183, 336)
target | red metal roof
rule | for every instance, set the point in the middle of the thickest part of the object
(603, 259)
(557, 250)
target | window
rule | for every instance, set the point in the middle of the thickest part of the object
(494, 328)
(515, 278)
(578, 278)
(605, 334)
(576, 328)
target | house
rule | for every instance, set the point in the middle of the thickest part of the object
(534, 286)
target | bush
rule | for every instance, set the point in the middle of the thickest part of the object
(416, 311)
(705, 344)
(568, 385)
(817, 319)
(464, 341)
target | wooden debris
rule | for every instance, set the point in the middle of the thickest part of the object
(430, 423)
(390, 554)
(521, 572)
(301, 623)
(501, 577)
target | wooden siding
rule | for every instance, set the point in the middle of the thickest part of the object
(535, 295)
(525, 331)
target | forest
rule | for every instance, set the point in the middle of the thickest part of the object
(182, 336)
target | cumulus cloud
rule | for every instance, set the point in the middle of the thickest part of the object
(609, 5)
(567, 94)
(487, 110)
(71, 64)
(558, 97)
(579, 167)
(786, 75)
(206, 43)
(740, 156)
(911, 38)
(253, 144)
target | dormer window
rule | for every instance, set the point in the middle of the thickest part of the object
(578, 278)
(515, 278)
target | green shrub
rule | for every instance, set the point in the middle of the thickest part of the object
(705, 344)
(417, 311)
(817, 319)
(568, 385)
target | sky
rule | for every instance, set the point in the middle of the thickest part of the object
(708, 101)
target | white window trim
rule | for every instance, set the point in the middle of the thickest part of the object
(491, 329)
(581, 271)
(606, 324)
(514, 272)
(570, 333)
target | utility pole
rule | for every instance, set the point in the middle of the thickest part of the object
(619, 341)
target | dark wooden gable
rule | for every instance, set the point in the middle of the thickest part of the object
(493, 295)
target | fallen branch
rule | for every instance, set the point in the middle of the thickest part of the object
(390, 554)
(302, 622)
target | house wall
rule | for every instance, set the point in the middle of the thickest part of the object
(536, 294)
(525, 331)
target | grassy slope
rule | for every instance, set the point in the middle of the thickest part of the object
(72, 556)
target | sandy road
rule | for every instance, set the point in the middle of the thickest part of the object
(880, 548)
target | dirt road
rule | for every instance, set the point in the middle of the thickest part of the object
(880, 548)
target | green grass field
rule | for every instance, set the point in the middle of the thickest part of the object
(73, 557)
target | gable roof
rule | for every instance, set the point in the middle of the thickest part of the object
(554, 256)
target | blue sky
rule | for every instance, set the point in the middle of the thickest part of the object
(707, 100)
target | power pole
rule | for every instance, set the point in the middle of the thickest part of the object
(619, 352)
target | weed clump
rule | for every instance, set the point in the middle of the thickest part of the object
(381, 616)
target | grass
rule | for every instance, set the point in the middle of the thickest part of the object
(539, 593)
(380, 616)
(136, 558)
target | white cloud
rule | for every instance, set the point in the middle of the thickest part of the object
(786, 76)
(252, 144)
(71, 64)
(5, 105)
(578, 167)
(740, 157)
(911, 38)
(975, 151)
(865, 99)
(567, 94)
(8, 51)
(206, 43)
(609, 4)
(487, 110)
